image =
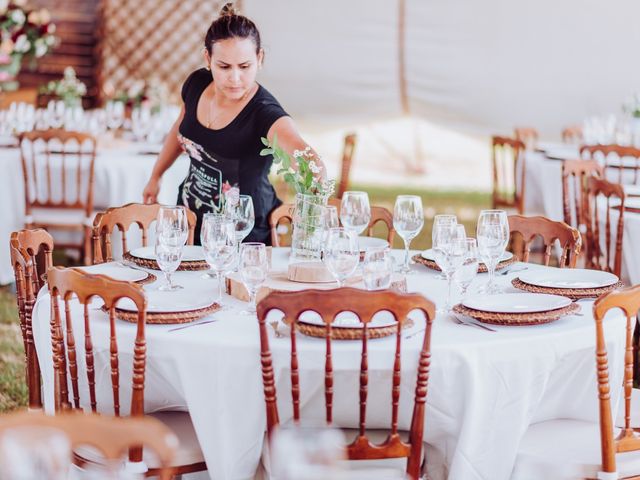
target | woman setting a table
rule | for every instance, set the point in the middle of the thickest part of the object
(224, 116)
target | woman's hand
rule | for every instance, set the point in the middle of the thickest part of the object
(150, 192)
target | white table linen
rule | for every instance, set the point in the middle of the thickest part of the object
(543, 196)
(120, 176)
(485, 388)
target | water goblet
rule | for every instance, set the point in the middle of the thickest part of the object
(444, 219)
(377, 268)
(173, 220)
(493, 236)
(341, 254)
(219, 244)
(449, 250)
(243, 214)
(355, 212)
(168, 256)
(115, 114)
(469, 268)
(408, 220)
(254, 267)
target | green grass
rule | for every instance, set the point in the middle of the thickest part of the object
(466, 205)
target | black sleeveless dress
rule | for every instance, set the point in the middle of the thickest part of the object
(228, 157)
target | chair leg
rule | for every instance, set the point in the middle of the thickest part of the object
(86, 249)
(636, 351)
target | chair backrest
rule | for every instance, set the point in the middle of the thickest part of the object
(599, 247)
(112, 437)
(285, 213)
(67, 283)
(345, 167)
(58, 169)
(37, 245)
(573, 135)
(527, 135)
(574, 186)
(365, 304)
(508, 173)
(618, 158)
(121, 218)
(627, 300)
(550, 231)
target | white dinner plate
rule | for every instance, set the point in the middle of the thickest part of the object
(183, 300)
(546, 146)
(632, 190)
(371, 242)
(117, 272)
(350, 320)
(190, 253)
(429, 255)
(563, 152)
(516, 302)
(568, 278)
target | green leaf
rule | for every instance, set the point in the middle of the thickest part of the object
(266, 151)
(265, 141)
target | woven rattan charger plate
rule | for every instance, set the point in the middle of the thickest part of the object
(572, 293)
(168, 318)
(188, 266)
(348, 333)
(482, 268)
(517, 319)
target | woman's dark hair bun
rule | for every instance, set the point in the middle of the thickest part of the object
(228, 10)
(230, 24)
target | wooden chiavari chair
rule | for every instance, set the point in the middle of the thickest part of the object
(345, 168)
(328, 304)
(58, 171)
(285, 213)
(529, 228)
(30, 249)
(64, 284)
(527, 135)
(575, 174)
(572, 135)
(508, 173)
(121, 218)
(607, 153)
(584, 449)
(598, 257)
(113, 437)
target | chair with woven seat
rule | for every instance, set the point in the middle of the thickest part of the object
(364, 304)
(73, 286)
(31, 256)
(527, 135)
(618, 159)
(508, 173)
(121, 219)
(573, 135)
(111, 437)
(58, 171)
(604, 198)
(530, 228)
(345, 167)
(575, 449)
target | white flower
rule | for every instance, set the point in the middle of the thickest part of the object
(18, 17)
(19, 3)
(45, 16)
(34, 17)
(22, 44)
(297, 153)
(41, 48)
(314, 168)
(50, 39)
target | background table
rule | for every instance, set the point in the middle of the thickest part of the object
(120, 176)
(485, 388)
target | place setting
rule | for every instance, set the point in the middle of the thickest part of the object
(573, 283)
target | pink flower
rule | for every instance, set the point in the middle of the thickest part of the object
(4, 76)
(232, 196)
(4, 59)
(226, 186)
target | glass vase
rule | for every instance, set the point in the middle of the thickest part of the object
(308, 228)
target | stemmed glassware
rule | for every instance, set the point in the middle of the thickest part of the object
(408, 220)
(56, 113)
(219, 243)
(493, 236)
(171, 234)
(444, 219)
(469, 268)
(341, 253)
(115, 114)
(449, 249)
(355, 212)
(254, 267)
(377, 268)
(242, 213)
(141, 122)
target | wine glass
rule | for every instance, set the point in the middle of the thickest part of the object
(341, 253)
(449, 249)
(243, 214)
(493, 236)
(141, 122)
(219, 244)
(445, 219)
(115, 114)
(408, 220)
(172, 231)
(469, 268)
(55, 113)
(355, 212)
(254, 267)
(377, 268)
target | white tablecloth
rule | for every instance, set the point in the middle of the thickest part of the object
(120, 176)
(485, 388)
(543, 196)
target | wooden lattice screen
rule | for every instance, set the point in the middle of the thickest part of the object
(142, 39)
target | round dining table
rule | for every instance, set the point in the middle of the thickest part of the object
(485, 387)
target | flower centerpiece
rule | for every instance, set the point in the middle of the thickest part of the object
(312, 194)
(69, 88)
(151, 93)
(24, 33)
